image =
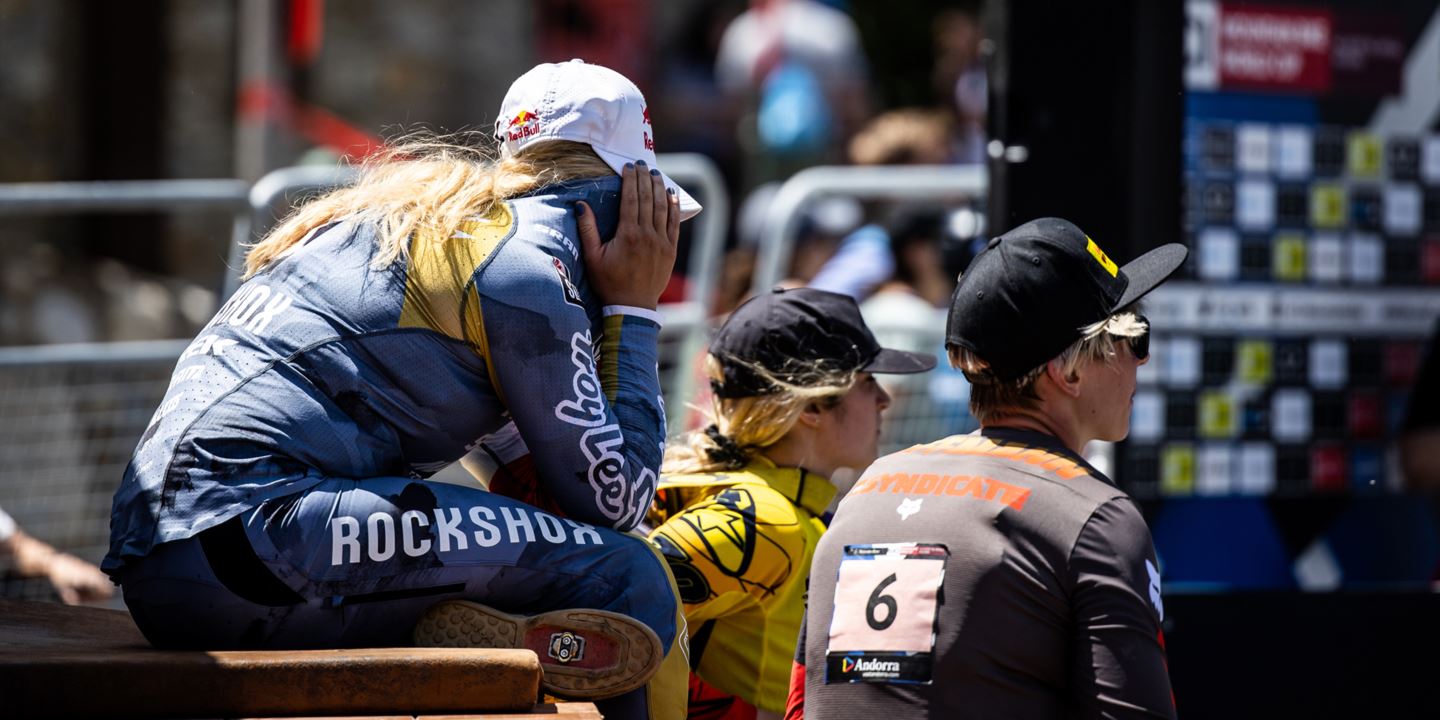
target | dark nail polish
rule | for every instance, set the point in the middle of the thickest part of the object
(641, 163)
(670, 190)
(628, 167)
(655, 173)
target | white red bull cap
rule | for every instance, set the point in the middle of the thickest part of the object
(584, 103)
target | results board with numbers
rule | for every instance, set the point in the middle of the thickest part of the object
(1285, 359)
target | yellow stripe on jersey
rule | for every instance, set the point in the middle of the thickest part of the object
(608, 357)
(439, 272)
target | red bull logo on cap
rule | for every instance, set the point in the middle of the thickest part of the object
(523, 125)
(649, 141)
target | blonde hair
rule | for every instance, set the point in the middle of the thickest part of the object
(432, 182)
(748, 425)
(992, 398)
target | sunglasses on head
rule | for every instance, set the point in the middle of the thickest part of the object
(1140, 344)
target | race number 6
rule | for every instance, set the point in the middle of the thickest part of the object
(886, 597)
(878, 600)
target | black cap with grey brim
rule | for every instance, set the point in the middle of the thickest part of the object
(800, 336)
(1028, 294)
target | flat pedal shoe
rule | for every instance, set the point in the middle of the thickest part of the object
(585, 654)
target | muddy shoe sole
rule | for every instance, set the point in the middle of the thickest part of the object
(585, 654)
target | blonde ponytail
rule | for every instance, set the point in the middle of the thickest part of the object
(743, 427)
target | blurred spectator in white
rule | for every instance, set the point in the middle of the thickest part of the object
(74, 580)
(798, 66)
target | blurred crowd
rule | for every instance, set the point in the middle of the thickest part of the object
(763, 88)
(786, 85)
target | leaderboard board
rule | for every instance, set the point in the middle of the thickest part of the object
(1262, 442)
(1285, 355)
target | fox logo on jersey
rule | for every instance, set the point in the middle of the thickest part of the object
(908, 507)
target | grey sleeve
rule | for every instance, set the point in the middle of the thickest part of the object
(1118, 661)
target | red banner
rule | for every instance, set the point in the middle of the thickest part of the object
(1274, 48)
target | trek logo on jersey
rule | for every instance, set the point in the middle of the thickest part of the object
(1101, 257)
(523, 125)
(572, 295)
(208, 345)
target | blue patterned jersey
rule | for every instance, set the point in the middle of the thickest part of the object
(323, 366)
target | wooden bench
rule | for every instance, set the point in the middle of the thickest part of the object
(59, 661)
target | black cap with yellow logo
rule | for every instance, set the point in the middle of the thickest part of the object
(1028, 294)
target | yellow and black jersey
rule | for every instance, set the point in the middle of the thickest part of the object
(739, 544)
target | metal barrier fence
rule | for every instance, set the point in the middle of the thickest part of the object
(70, 415)
(956, 183)
(67, 430)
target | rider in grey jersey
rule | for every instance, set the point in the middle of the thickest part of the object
(998, 574)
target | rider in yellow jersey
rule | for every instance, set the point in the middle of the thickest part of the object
(741, 502)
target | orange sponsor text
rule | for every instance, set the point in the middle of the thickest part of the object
(982, 488)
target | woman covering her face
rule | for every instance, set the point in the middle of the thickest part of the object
(449, 300)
